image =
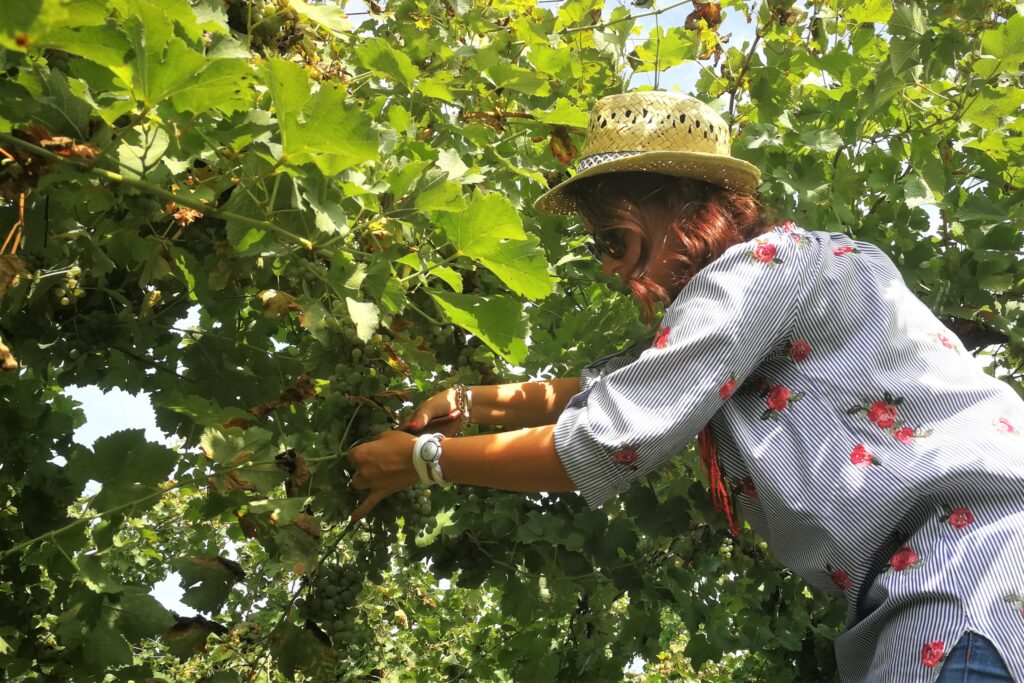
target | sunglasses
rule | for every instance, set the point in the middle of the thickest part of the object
(610, 242)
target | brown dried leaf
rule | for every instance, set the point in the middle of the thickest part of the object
(12, 269)
(307, 524)
(710, 12)
(276, 304)
(392, 358)
(7, 361)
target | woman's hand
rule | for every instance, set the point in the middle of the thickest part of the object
(384, 466)
(439, 406)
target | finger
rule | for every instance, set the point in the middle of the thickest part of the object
(368, 504)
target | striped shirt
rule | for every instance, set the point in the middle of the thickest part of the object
(864, 443)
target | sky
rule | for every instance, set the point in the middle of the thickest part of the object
(116, 410)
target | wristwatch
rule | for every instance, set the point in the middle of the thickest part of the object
(426, 458)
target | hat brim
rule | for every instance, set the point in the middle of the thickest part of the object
(728, 172)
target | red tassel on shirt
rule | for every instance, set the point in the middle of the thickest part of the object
(719, 492)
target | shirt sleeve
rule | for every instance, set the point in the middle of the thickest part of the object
(593, 372)
(719, 328)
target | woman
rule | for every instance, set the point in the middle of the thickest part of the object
(864, 443)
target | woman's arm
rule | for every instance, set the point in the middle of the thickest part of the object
(524, 404)
(523, 460)
(528, 404)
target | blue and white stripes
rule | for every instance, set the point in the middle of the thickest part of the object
(863, 442)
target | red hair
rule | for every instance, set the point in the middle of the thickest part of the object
(693, 221)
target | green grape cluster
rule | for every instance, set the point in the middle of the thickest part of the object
(272, 25)
(413, 505)
(70, 289)
(331, 602)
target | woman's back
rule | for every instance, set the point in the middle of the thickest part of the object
(902, 460)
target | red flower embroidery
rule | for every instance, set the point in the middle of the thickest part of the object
(799, 350)
(842, 251)
(778, 397)
(727, 389)
(882, 414)
(931, 653)
(1003, 426)
(904, 558)
(904, 434)
(862, 457)
(842, 580)
(661, 338)
(748, 488)
(625, 457)
(764, 252)
(788, 226)
(944, 340)
(960, 517)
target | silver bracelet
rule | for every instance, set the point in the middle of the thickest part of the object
(464, 402)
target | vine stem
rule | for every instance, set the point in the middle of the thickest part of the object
(654, 13)
(447, 259)
(158, 191)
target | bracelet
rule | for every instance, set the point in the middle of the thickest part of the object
(426, 455)
(464, 402)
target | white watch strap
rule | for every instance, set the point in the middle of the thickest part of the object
(418, 462)
(435, 468)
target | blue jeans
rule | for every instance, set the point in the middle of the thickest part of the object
(974, 660)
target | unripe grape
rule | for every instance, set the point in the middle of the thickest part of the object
(64, 301)
(60, 291)
(72, 283)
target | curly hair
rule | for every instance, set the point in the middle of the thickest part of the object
(694, 221)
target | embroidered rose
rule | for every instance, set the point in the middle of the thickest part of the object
(727, 389)
(1003, 426)
(931, 653)
(799, 350)
(960, 517)
(842, 580)
(778, 399)
(905, 558)
(944, 340)
(882, 414)
(843, 251)
(765, 252)
(748, 488)
(862, 457)
(661, 338)
(904, 435)
(625, 456)
(788, 226)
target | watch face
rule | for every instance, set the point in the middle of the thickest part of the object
(430, 451)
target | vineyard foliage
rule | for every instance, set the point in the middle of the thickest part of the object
(284, 223)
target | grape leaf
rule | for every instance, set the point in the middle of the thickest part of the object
(321, 128)
(491, 232)
(498, 321)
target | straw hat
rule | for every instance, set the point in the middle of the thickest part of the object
(661, 132)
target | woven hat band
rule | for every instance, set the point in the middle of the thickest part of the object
(595, 159)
